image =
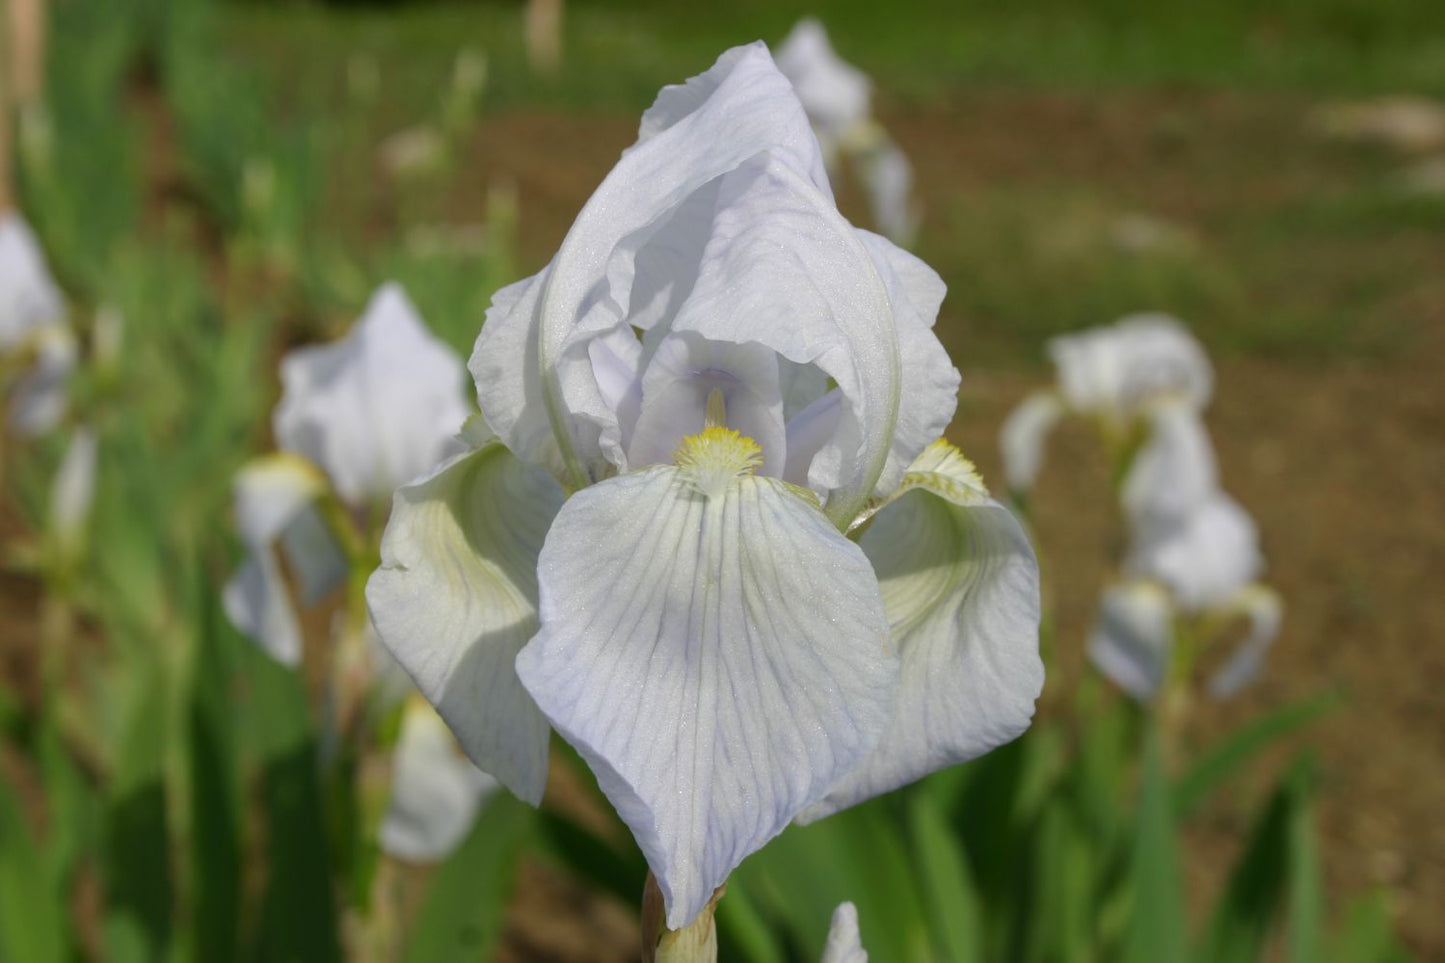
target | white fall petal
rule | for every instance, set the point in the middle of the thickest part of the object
(271, 493)
(720, 660)
(435, 793)
(1133, 638)
(845, 943)
(960, 585)
(1264, 610)
(1021, 440)
(456, 598)
(375, 408)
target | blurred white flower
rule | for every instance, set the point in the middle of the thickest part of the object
(357, 418)
(413, 152)
(844, 945)
(1118, 375)
(375, 408)
(37, 348)
(1204, 556)
(838, 100)
(436, 792)
(713, 363)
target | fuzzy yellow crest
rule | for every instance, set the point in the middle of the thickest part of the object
(715, 456)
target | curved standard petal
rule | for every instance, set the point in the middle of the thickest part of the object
(888, 180)
(376, 408)
(845, 943)
(717, 652)
(835, 94)
(1204, 558)
(1134, 636)
(694, 134)
(1174, 472)
(435, 791)
(961, 587)
(1021, 440)
(270, 494)
(1264, 610)
(1113, 371)
(455, 599)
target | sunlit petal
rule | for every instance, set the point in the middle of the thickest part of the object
(455, 599)
(719, 660)
(961, 588)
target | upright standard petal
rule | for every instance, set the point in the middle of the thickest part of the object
(1134, 636)
(835, 94)
(888, 180)
(375, 408)
(1021, 440)
(845, 944)
(1204, 558)
(717, 652)
(456, 598)
(1114, 371)
(270, 493)
(435, 791)
(960, 585)
(693, 135)
(1174, 472)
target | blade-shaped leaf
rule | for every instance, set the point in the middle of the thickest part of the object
(462, 916)
(1158, 929)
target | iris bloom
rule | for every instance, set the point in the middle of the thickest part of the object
(715, 543)
(1194, 553)
(37, 347)
(357, 418)
(838, 99)
(844, 945)
(1122, 377)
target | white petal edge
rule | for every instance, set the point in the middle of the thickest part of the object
(1174, 472)
(270, 493)
(436, 792)
(455, 599)
(845, 943)
(718, 661)
(1265, 612)
(1022, 438)
(960, 584)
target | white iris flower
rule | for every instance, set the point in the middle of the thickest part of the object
(715, 544)
(838, 99)
(357, 418)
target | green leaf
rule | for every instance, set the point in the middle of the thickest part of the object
(951, 896)
(1305, 936)
(298, 912)
(619, 872)
(1157, 929)
(1367, 936)
(1228, 756)
(465, 907)
(215, 819)
(139, 887)
(32, 916)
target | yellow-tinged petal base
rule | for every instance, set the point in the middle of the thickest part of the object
(715, 456)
